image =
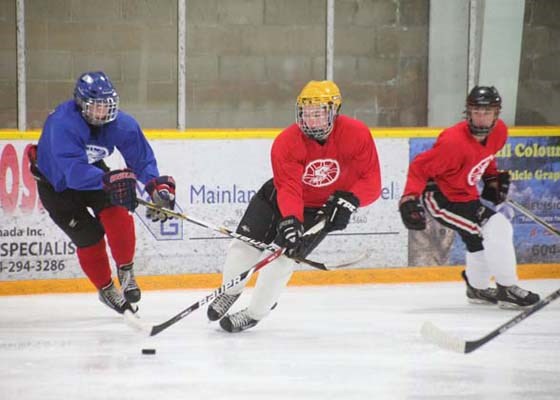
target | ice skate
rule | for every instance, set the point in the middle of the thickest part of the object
(480, 296)
(514, 297)
(238, 321)
(220, 306)
(129, 287)
(110, 296)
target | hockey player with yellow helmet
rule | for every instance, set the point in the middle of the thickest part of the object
(324, 166)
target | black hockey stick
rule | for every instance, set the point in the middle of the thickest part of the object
(248, 240)
(532, 216)
(442, 339)
(152, 330)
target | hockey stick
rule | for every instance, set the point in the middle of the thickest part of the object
(437, 336)
(152, 330)
(248, 240)
(532, 216)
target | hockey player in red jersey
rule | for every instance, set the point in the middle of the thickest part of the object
(324, 166)
(443, 181)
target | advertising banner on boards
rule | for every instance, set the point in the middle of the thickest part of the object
(215, 181)
(534, 164)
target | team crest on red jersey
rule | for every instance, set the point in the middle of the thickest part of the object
(478, 170)
(321, 172)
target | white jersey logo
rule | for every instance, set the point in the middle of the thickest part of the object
(322, 172)
(478, 170)
(96, 153)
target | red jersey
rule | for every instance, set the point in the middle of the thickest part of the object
(456, 162)
(306, 172)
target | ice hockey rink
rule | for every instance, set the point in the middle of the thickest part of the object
(336, 342)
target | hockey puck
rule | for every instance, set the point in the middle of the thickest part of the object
(148, 351)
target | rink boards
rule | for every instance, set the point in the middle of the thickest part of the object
(217, 172)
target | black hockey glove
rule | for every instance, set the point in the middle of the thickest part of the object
(412, 213)
(496, 187)
(338, 209)
(120, 185)
(290, 233)
(162, 192)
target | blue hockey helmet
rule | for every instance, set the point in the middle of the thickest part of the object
(95, 95)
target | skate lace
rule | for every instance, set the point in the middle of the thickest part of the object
(113, 296)
(126, 279)
(224, 302)
(519, 292)
(240, 318)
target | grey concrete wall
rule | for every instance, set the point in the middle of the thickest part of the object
(538, 98)
(133, 41)
(248, 59)
(8, 67)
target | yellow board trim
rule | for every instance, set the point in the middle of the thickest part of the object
(300, 278)
(234, 134)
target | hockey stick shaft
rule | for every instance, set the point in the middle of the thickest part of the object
(210, 297)
(135, 322)
(532, 216)
(442, 339)
(471, 346)
(235, 235)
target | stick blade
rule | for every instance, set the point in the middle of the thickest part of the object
(442, 339)
(136, 323)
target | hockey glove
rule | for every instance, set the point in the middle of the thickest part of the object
(32, 156)
(120, 185)
(496, 187)
(162, 192)
(290, 233)
(412, 213)
(338, 209)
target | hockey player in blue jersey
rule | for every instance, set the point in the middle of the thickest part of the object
(72, 177)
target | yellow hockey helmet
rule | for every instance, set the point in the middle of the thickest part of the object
(317, 107)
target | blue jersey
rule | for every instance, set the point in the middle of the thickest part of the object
(68, 147)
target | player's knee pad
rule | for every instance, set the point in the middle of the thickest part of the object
(119, 228)
(240, 257)
(497, 228)
(499, 250)
(82, 229)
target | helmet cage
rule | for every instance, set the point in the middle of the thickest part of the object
(481, 131)
(485, 98)
(99, 111)
(316, 120)
(95, 95)
(317, 107)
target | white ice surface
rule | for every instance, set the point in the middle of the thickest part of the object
(338, 342)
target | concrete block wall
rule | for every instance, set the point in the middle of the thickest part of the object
(8, 65)
(538, 98)
(248, 59)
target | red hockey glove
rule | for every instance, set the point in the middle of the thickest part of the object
(162, 192)
(412, 213)
(120, 185)
(496, 187)
(32, 156)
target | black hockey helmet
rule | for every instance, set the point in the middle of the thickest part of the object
(487, 97)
